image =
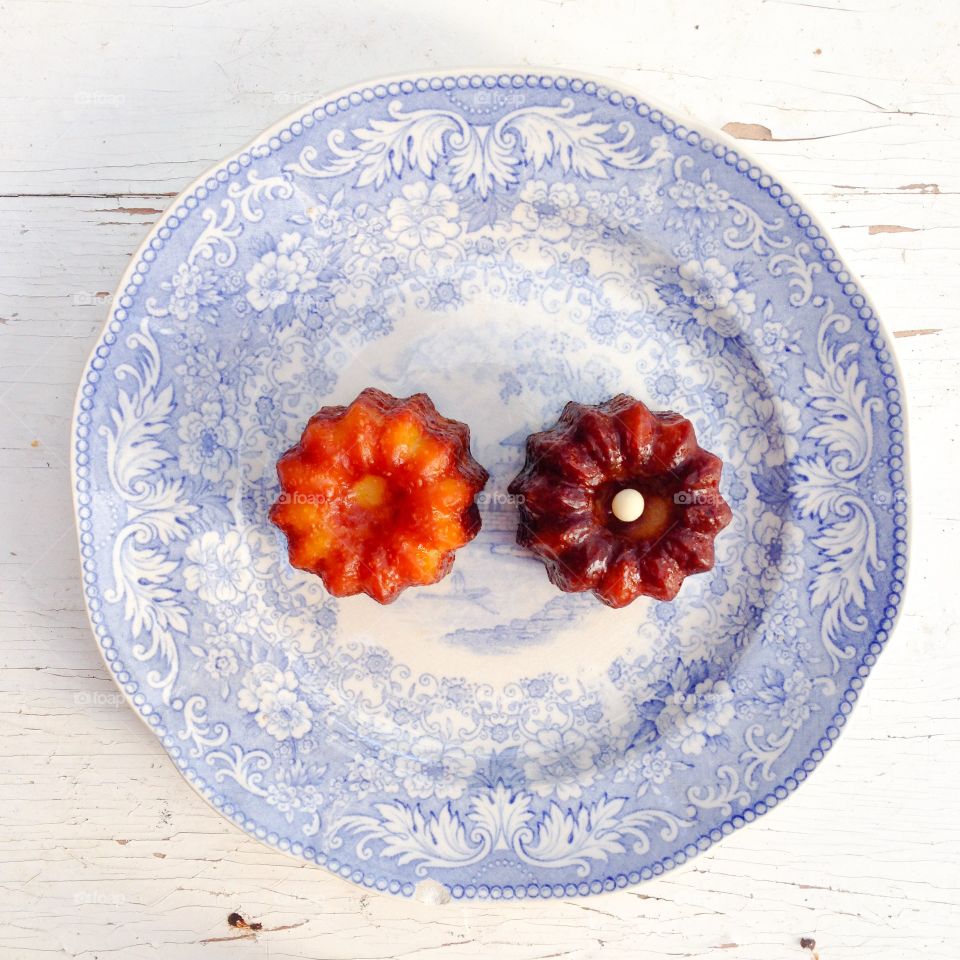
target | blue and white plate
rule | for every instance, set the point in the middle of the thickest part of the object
(504, 243)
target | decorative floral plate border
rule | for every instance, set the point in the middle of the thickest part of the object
(584, 839)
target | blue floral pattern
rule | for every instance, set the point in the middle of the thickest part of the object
(574, 244)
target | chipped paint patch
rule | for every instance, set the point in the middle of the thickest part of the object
(876, 228)
(923, 332)
(747, 131)
(139, 211)
(921, 187)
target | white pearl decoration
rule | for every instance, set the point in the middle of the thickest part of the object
(627, 505)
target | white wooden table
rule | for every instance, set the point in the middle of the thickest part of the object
(108, 108)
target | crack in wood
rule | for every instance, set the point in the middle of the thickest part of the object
(252, 934)
(53, 195)
(757, 131)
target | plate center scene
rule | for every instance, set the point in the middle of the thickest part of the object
(503, 355)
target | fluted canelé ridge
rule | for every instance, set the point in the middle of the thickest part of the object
(575, 469)
(378, 495)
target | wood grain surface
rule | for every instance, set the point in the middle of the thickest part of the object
(108, 109)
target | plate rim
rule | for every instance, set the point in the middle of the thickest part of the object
(603, 87)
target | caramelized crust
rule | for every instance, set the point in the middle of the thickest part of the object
(378, 495)
(573, 471)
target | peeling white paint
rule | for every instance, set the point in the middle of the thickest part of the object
(109, 108)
